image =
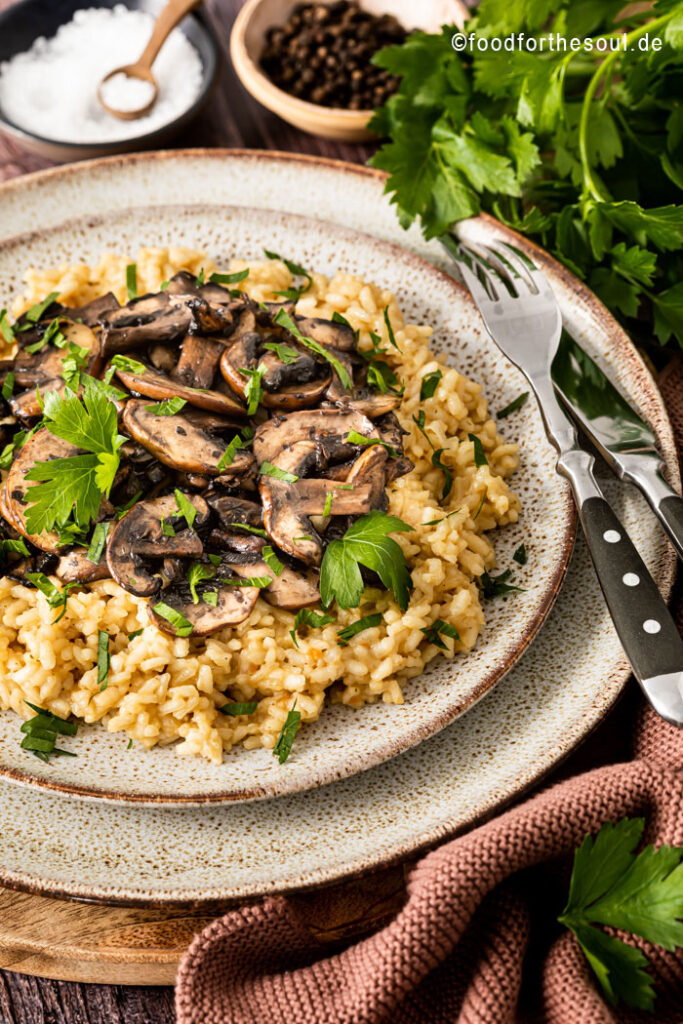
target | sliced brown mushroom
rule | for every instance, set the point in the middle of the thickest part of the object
(150, 318)
(231, 510)
(198, 362)
(138, 539)
(157, 385)
(287, 506)
(94, 311)
(292, 589)
(233, 605)
(329, 427)
(393, 433)
(42, 447)
(75, 567)
(370, 468)
(192, 441)
(328, 333)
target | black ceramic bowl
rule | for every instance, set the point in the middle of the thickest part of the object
(22, 22)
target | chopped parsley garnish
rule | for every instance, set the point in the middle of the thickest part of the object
(366, 542)
(215, 559)
(6, 329)
(309, 618)
(285, 353)
(239, 275)
(520, 556)
(272, 561)
(55, 597)
(419, 422)
(479, 454)
(283, 319)
(41, 731)
(390, 330)
(136, 632)
(327, 508)
(496, 586)
(337, 318)
(353, 437)
(228, 456)
(122, 509)
(76, 359)
(167, 529)
(196, 574)
(249, 581)
(13, 547)
(52, 333)
(481, 503)
(283, 746)
(210, 597)
(376, 350)
(239, 708)
(359, 626)
(438, 629)
(185, 508)
(8, 386)
(430, 383)
(381, 376)
(132, 281)
(200, 278)
(438, 463)
(168, 407)
(125, 363)
(253, 391)
(181, 625)
(35, 313)
(292, 293)
(248, 529)
(73, 487)
(435, 522)
(268, 469)
(641, 893)
(103, 659)
(97, 542)
(129, 744)
(514, 405)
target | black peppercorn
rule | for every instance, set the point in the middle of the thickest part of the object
(323, 54)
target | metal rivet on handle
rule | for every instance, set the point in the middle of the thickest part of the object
(630, 579)
(611, 536)
(651, 626)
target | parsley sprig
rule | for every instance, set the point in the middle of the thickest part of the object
(71, 489)
(641, 894)
(365, 543)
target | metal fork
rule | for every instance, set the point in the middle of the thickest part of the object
(522, 316)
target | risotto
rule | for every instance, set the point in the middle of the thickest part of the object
(163, 689)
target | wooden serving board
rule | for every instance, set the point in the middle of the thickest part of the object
(88, 942)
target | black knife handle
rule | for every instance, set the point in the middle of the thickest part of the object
(643, 622)
(670, 511)
(648, 633)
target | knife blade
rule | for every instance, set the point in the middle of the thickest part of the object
(622, 437)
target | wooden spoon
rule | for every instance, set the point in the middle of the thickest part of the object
(173, 12)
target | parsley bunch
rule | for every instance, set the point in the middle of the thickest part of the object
(580, 150)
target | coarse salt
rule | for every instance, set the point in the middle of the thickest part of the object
(51, 89)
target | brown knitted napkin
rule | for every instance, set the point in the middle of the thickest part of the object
(476, 940)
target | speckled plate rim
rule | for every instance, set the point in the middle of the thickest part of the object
(608, 687)
(392, 746)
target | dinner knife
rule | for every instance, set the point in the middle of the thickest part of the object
(624, 440)
(522, 316)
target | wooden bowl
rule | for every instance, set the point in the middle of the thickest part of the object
(247, 41)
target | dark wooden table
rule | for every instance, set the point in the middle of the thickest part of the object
(231, 118)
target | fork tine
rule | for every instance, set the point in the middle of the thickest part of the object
(525, 267)
(474, 285)
(493, 267)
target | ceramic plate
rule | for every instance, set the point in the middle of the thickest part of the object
(343, 741)
(558, 691)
